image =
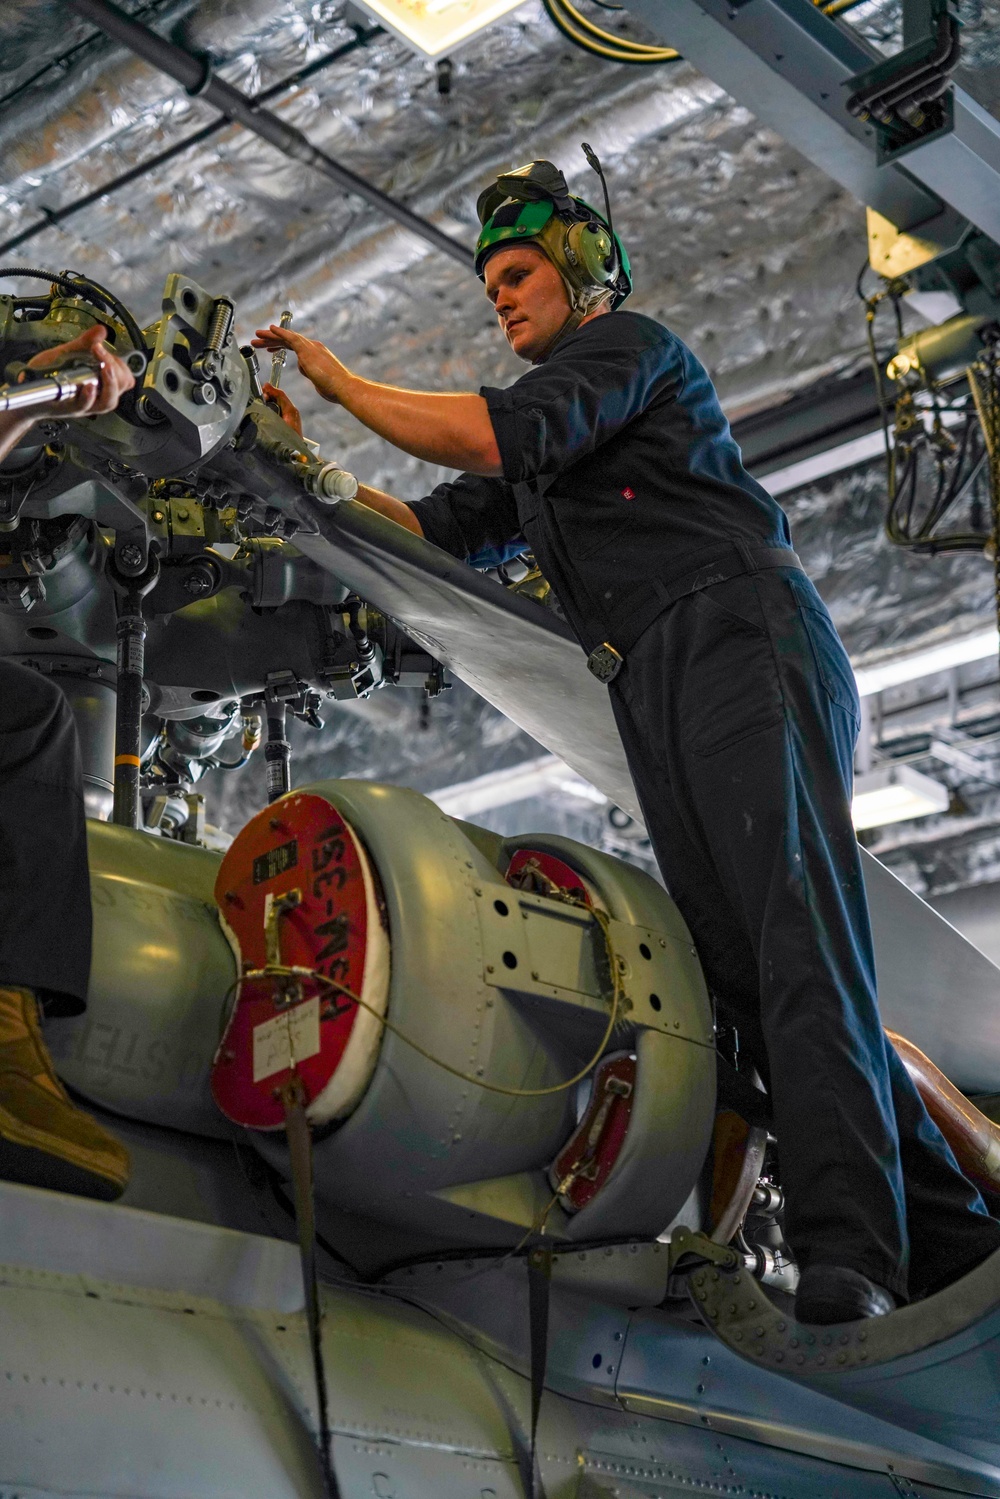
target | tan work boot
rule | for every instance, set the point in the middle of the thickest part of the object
(45, 1140)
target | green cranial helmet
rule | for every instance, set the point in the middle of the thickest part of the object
(533, 205)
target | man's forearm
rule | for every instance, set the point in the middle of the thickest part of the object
(12, 429)
(392, 508)
(453, 430)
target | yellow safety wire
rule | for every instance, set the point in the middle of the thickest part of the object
(283, 971)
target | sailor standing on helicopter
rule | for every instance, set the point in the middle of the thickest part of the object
(611, 458)
(45, 918)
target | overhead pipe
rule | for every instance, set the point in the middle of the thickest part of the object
(196, 77)
(974, 1139)
(51, 217)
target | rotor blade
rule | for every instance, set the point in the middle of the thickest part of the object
(516, 654)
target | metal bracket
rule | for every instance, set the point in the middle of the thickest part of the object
(552, 951)
(274, 908)
(694, 1248)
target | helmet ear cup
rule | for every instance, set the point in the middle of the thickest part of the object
(591, 252)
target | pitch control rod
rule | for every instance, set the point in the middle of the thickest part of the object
(59, 388)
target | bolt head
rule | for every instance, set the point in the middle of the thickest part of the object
(131, 555)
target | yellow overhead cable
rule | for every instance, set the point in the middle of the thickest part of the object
(603, 43)
(835, 7)
(665, 54)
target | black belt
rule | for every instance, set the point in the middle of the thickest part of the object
(606, 660)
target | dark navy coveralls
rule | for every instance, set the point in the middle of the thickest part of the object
(45, 915)
(739, 714)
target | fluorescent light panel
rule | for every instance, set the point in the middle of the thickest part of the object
(821, 465)
(437, 27)
(834, 460)
(934, 658)
(517, 783)
(895, 793)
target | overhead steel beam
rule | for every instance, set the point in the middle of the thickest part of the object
(826, 415)
(197, 78)
(790, 64)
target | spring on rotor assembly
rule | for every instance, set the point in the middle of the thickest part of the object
(223, 313)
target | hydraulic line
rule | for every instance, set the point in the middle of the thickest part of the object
(87, 291)
(197, 78)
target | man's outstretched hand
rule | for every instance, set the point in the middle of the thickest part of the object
(453, 429)
(287, 409)
(321, 368)
(114, 375)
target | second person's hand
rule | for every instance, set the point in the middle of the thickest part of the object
(287, 409)
(114, 377)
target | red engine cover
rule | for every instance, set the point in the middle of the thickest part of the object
(300, 844)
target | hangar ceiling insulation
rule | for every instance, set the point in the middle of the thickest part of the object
(740, 245)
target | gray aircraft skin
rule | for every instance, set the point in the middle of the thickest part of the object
(158, 1346)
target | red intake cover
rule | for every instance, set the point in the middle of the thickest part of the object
(300, 843)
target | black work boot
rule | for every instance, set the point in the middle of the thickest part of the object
(832, 1293)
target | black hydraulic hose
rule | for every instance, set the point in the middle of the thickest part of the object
(957, 486)
(196, 76)
(53, 216)
(104, 301)
(945, 56)
(913, 103)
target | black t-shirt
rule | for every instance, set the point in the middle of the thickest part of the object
(619, 470)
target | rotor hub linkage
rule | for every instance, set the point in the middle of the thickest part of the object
(131, 632)
(208, 365)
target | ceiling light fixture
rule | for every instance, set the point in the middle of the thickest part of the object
(896, 793)
(436, 28)
(924, 663)
(515, 783)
